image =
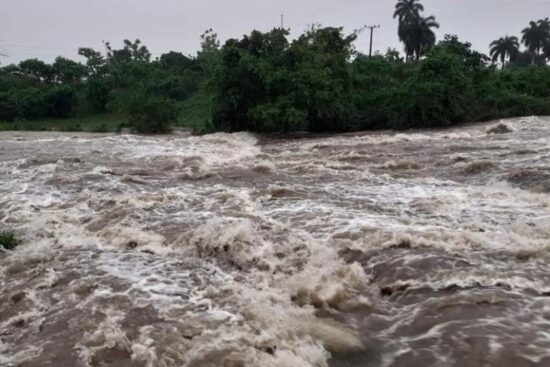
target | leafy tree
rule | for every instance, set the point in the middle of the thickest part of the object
(441, 91)
(94, 61)
(471, 58)
(505, 48)
(321, 79)
(37, 70)
(67, 71)
(266, 84)
(393, 55)
(210, 46)
(10, 69)
(177, 60)
(131, 52)
(240, 80)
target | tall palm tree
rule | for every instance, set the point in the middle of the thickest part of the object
(414, 30)
(426, 35)
(505, 48)
(418, 36)
(407, 9)
(544, 26)
(535, 37)
(546, 50)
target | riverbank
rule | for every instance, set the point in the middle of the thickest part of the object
(109, 123)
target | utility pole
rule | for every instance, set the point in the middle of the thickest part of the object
(282, 21)
(372, 28)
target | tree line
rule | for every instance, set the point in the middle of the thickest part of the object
(535, 38)
(267, 82)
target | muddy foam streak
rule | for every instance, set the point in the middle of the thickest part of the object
(425, 248)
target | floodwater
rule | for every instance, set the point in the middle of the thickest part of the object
(426, 248)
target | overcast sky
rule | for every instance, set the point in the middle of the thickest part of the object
(46, 28)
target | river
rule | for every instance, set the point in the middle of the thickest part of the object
(424, 248)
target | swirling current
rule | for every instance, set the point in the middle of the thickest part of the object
(424, 248)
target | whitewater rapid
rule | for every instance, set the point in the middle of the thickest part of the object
(426, 248)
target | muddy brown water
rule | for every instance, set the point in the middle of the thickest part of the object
(426, 248)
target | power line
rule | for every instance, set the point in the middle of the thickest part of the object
(38, 47)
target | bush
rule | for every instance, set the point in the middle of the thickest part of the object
(31, 103)
(8, 107)
(8, 240)
(175, 87)
(60, 101)
(97, 93)
(151, 115)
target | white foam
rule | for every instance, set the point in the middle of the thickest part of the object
(244, 265)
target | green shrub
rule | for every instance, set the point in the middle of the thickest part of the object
(60, 101)
(32, 103)
(151, 115)
(97, 93)
(178, 88)
(8, 107)
(8, 240)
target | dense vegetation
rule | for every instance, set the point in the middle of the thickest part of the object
(145, 95)
(267, 82)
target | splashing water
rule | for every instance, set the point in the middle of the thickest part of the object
(427, 248)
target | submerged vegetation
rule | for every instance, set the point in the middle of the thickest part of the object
(266, 82)
(8, 240)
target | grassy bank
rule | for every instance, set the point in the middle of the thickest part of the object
(193, 114)
(91, 123)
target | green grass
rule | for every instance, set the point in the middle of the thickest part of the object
(8, 240)
(90, 123)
